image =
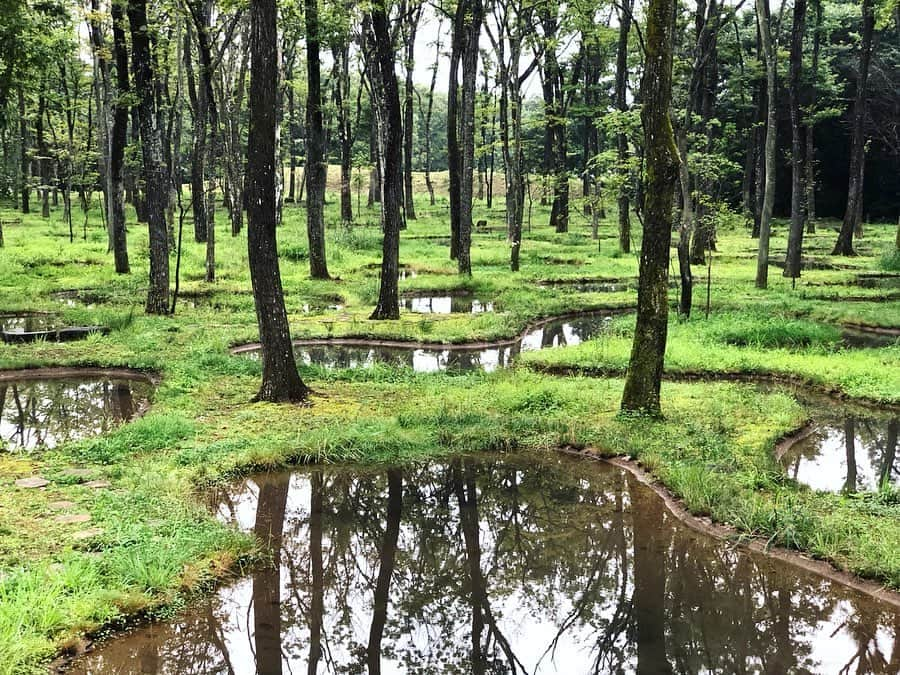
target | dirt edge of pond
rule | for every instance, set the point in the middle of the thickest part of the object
(62, 372)
(708, 527)
(362, 341)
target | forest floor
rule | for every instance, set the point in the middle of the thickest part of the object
(155, 541)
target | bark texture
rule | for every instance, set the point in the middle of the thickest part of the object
(154, 169)
(642, 381)
(280, 380)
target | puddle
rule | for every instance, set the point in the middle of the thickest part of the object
(514, 564)
(445, 304)
(592, 285)
(847, 448)
(876, 280)
(32, 326)
(355, 353)
(27, 322)
(41, 409)
(855, 338)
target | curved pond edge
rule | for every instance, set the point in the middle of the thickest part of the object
(878, 330)
(706, 526)
(725, 376)
(44, 373)
(361, 341)
(66, 334)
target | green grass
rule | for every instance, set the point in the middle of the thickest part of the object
(156, 541)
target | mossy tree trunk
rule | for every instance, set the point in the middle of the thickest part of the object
(642, 382)
(280, 381)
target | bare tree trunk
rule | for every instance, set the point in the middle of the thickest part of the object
(621, 138)
(795, 234)
(118, 140)
(154, 170)
(853, 212)
(410, 38)
(345, 129)
(316, 161)
(810, 158)
(434, 70)
(642, 381)
(386, 107)
(24, 161)
(280, 381)
(765, 224)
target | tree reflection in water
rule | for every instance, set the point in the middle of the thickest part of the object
(518, 564)
(37, 413)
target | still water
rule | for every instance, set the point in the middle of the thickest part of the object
(351, 353)
(500, 564)
(37, 411)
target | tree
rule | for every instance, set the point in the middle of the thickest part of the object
(316, 159)
(642, 381)
(466, 29)
(853, 212)
(280, 380)
(389, 126)
(768, 50)
(621, 137)
(153, 169)
(795, 235)
(118, 139)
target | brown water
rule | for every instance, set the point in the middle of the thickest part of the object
(500, 564)
(37, 412)
(556, 333)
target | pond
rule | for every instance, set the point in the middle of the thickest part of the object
(445, 304)
(32, 326)
(43, 408)
(500, 564)
(846, 449)
(358, 353)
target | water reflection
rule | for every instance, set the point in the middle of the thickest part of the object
(513, 565)
(42, 413)
(445, 304)
(27, 322)
(350, 353)
(847, 450)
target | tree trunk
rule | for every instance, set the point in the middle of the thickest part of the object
(198, 147)
(810, 157)
(410, 38)
(765, 222)
(154, 169)
(453, 150)
(345, 131)
(685, 228)
(24, 161)
(469, 62)
(621, 138)
(280, 381)
(642, 381)
(795, 234)
(118, 138)
(390, 136)
(316, 161)
(853, 212)
(428, 112)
